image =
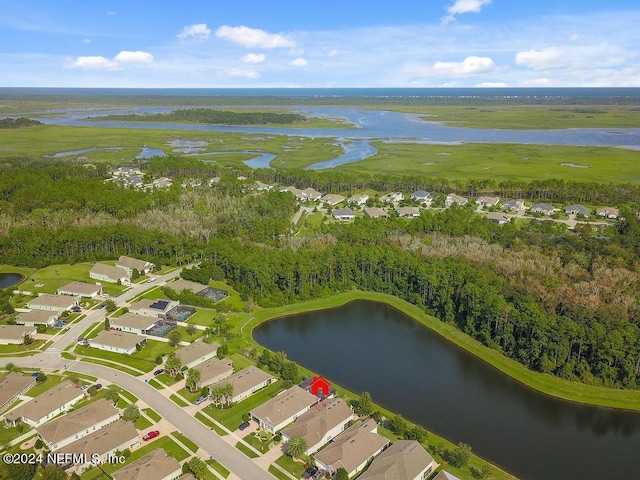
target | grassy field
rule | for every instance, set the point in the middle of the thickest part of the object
(249, 453)
(503, 162)
(185, 441)
(49, 279)
(152, 414)
(143, 360)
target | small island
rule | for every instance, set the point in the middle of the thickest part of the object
(20, 122)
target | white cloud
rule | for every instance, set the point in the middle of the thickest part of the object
(111, 13)
(491, 85)
(86, 41)
(464, 6)
(538, 82)
(254, 37)
(243, 72)
(126, 56)
(299, 62)
(197, 30)
(333, 53)
(468, 67)
(92, 63)
(254, 58)
(602, 55)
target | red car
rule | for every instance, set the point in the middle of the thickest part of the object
(150, 435)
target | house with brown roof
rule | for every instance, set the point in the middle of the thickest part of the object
(375, 212)
(392, 197)
(278, 412)
(454, 199)
(607, 212)
(118, 435)
(80, 289)
(130, 264)
(114, 341)
(53, 303)
(45, 406)
(312, 193)
(497, 217)
(488, 201)
(214, 370)
(360, 199)
(333, 199)
(37, 317)
(320, 425)
(408, 212)
(353, 449)
(404, 460)
(15, 334)
(108, 273)
(156, 465)
(153, 308)
(196, 353)
(244, 383)
(444, 475)
(12, 385)
(180, 285)
(133, 323)
(515, 205)
(68, 428)
(299, 194)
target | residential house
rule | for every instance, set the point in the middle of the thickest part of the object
(16, 334)
(12, 385)
(196, 353)
(80, 289)
(133, 323)
(608, 212)
(344, 214)
(119, 435)
(312, 194)
(37, 317)
(320, 425)
(126, 171)
(130, 264)
(353, 449)
(444, 475)
(108, 273)
(112, 341)
(286, 407)
(543, 208)
(245, 383)
(487, 202)
(45, 406)
(453, 199)
(423, 196)
(153, 308)
(162, 182)
(180, 285)
(68, 428)
(404, 460)
(375, 212)
(260, 186)
(499, 218)
(156, 465)
(134, 181)
(408, 212)
(392, 197)
(358, 199)
(332, 199)
(299, 194)
(214, 370)
(53, 303)
(577, 210)
(515, 205)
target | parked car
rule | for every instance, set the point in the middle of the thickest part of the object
(150, 435)
(199, 400)
(244, 425)
(35, 374)
(309, 472)
(152, 279)
(102, 305)
(319, 474)
(98, 386)
(159, 372)
(76, 309)
(84, 387)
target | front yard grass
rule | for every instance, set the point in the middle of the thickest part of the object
(55, 276)
(35, 345)
(218, 467)
(152, 414)
(260, 441)
(249, 453)
(290, 465)
(185, 441)
(142, 423)
(144, 360)
(232, 417)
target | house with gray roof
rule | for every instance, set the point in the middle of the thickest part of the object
(80, 289)
(353, 449)
(497, 217)
(577, 210)
(196, 353)
(423, 196)
(607, 212)
(444, 475)
(514, 205)
(392, 197)
(155, 465)
(108, 273)
(77, 424)
(114, 341)
(53, 303)
(37, 317)
(404, 460)
(16, 334)
(244, 383)
(118, 435)
(278, 412)
(543, 208)
(157, 308)
(133, 323)
(45, 406)
(12, 385)
(344, 214)
(488, 201)
(360, 199)
(320, 425)
(214, 370)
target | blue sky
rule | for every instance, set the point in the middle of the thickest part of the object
(329, 43)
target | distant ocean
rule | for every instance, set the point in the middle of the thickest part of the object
(338, 92)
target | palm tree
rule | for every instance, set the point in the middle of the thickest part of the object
(131, 413)
(297, 447)
(111, 394)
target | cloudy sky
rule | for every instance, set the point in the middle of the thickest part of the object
(328, 43)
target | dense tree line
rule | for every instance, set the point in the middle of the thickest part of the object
(20, 122)
(211, 117)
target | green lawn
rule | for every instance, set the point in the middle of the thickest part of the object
(156, 384)
(233, 300)
(191, 396)
(202, 317)
(52, 381)
(277, 473)
(186, 337)
(142, 423)
(143, 360)
(178, 401)
(210, 424)
(232, 417)
(35, 345)
(240, 361)
(259, 443)
(185, 441)
(291, 466)
(218, 467)
(246, 451)
(7, 434)
(152, 414)
(54, 276)
(122, 368)
(166, 379)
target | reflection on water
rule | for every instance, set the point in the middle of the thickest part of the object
(9, 279)
(407, 368)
